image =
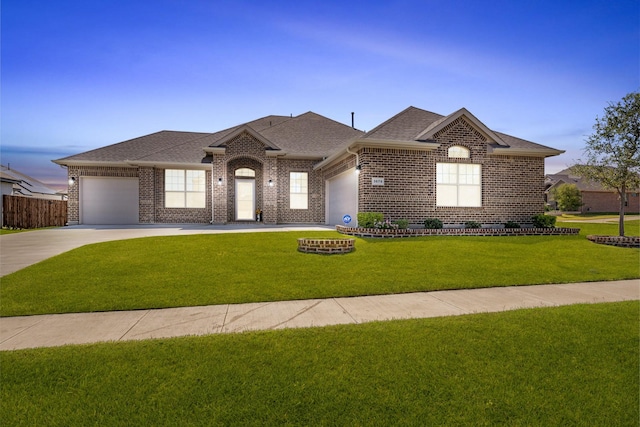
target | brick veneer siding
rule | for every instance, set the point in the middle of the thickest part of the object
(151, 195)
(77, 172)
(512, 186)
(246, 151)
(315, 212)
(180, 215)
(147, 195)
(608, 201)
(340, 167)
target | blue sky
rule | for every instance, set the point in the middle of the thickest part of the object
(78, 75)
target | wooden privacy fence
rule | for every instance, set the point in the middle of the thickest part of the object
(26, 212)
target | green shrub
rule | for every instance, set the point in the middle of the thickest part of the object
(472, 224)
(568, 196)
(369, 219)
(432, 223)
(544, 221)
(511, 224)
(402, 223)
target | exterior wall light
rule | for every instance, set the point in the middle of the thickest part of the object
(72, 180)
(358, 169)
(219, 181)
(270, 183)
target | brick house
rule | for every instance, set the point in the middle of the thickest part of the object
(595, 198)
(310, 169)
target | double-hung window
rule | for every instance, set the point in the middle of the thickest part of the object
(184, 188)
(458, 184)
(298, 190)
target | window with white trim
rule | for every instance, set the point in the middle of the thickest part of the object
(299, 190)
(184, 188)
(458, 185)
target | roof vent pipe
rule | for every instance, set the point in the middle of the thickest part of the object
(352, 122)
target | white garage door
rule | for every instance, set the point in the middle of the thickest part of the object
(342, 198)
(108, 200)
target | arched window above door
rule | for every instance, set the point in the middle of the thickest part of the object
(245, 172)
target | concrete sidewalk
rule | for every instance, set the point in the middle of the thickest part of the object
(61, 329)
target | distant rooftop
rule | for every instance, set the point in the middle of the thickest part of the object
(26, 185)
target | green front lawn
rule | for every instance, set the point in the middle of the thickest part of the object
(12, 230)
(565, 366)
(248, 267)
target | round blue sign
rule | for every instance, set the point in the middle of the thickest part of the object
(346, 219)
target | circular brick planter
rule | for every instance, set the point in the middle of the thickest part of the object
(622, 241)
(326, 246)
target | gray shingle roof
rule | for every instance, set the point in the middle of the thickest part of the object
(308, 135)
(408, 124)
(137, 148)
(404, 126)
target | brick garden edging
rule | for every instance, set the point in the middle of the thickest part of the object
(622, 241)
(326, 246)
(415, 232)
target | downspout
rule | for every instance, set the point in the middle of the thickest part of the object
(357, 158)
(358, 169)
(212, 191)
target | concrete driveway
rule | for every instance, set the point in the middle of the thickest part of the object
(20, 250)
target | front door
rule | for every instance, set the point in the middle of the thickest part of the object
(245, 199)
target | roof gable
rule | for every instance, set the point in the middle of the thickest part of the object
(240, 130)
(441, 124)
(404, 126)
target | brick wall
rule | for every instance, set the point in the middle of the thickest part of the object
(146, 186)
(315, 212)
(244, 151)
(73, 205)
(340, 167)
(179, 215)
(608, 201)
(512, 186)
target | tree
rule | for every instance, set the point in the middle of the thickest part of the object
(568, 197)
(612, 151)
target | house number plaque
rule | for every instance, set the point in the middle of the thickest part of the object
(377, 181)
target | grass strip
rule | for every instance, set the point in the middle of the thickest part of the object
(573, 365)
(175, 271)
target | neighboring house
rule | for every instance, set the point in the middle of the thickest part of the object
(310, 169)
(18, 184)
(14, 183)
(595, 198)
